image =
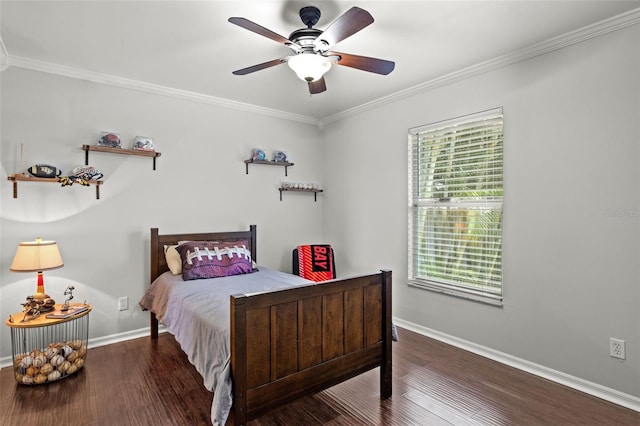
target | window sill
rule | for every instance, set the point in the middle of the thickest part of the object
(475, 296)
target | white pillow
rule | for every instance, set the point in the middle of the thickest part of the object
(173, 259)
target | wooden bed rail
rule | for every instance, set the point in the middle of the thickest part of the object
(294, 342)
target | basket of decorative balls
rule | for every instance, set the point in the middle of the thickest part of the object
(56, 362)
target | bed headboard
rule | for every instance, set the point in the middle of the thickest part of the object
(158, 241)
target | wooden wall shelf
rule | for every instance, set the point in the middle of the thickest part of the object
(284, 164)
(315, 192)
(25, 178)
(123, 151)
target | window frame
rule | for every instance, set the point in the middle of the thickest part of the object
(422, 201)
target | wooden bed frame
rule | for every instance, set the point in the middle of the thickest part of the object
(290, 343)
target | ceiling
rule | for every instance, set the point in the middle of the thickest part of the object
(189, 45)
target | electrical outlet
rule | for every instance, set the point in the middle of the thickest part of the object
(123, 303)
(616, 348)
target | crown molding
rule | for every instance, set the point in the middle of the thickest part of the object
(586, 33)
(111, 80)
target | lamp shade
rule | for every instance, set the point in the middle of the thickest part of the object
(309, 66)
(36, 256)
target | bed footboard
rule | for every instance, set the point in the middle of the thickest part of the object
(299, 341)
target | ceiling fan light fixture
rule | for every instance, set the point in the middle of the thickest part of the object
(309, 66)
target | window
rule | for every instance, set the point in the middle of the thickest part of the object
(455, 206)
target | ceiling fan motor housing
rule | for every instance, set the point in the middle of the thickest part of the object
(305, 37)
(310, 15)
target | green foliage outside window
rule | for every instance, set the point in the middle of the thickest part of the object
(457, 205)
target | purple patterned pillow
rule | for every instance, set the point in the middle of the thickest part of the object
(211, 259)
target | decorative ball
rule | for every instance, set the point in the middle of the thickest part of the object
(79, 362)
(26, 361)
(40, 379)
(72, 356)
(34, 353)
(18, 361)
(66, 350)
(44, 171)
(46, 369)
(27, 380)
(32, 371)
(64, 367)
(57, 360)
(72, 369)
(75, 344)
(54, 375)
(52, 351)
(39, 360)
(82, 351)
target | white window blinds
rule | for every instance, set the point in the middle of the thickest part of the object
(455, 205)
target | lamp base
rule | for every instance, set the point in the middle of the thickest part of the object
(40, 296)
(41, 301)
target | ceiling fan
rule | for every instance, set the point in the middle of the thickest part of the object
(311, 57)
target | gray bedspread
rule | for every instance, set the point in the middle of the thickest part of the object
(197, 313)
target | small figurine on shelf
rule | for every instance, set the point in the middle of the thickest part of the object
(81, 175)
(279, 156)
(258, 154)
(109, 139)
(143, 143)
(34, 307)
(31, 308)
(70, 180)
(67, 292)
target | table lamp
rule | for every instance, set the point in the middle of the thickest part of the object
(37, 256)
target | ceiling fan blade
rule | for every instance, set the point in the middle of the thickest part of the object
(259, 67)
(317, 86)
(258, 29)
(364, 63)
(349, 23)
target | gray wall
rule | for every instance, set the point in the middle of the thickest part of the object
(199, 185)
(571, 207)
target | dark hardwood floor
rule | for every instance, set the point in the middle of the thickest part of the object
(144, 382)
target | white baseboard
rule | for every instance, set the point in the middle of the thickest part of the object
(594, 389)
(121, 337)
